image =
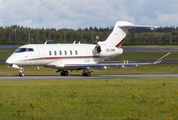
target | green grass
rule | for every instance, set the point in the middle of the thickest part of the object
(122, 99)
(4, 55)
(8, 49)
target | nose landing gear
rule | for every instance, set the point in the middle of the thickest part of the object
(21, 71)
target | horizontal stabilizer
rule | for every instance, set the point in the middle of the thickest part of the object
(131, 26)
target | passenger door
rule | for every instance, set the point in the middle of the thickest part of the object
(40, 55)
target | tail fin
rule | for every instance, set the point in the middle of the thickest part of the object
(116, 38)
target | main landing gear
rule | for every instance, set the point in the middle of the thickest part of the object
(86, 72)
(21, 71)
(64, 73)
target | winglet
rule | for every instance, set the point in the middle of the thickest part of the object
(159, 60)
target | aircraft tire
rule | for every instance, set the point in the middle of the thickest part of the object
(83, 74)
(66, 73)
(62, 73)
(21, 74)
(86, 74)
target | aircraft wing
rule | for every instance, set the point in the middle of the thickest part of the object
(132, 26)
(116, 65)
(100, 65)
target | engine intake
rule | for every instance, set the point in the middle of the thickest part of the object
(106, 51)
(97, 50)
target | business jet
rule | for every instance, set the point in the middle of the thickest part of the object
(76, 56)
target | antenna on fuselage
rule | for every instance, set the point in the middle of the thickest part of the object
(79, 42)
(45, 42)
(74, 42)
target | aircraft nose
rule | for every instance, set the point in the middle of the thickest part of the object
(9, 61)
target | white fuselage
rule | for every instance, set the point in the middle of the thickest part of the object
(58, 55)
(75, 56)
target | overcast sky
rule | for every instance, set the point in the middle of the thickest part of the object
(85, 13)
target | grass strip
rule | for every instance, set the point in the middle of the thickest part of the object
(90, 99)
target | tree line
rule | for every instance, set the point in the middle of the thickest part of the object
(23, 35)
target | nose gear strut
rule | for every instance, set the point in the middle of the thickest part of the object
(21, 71)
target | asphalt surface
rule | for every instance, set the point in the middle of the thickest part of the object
(91, 77)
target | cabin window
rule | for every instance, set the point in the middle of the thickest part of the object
(55, 53)
(76, 52)
(49, 52)
(65, 52)
(70, 52)
(60, 52)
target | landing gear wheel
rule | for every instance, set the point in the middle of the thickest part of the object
(21, 71)
(21, 74)
(86, 74)
(64, 73)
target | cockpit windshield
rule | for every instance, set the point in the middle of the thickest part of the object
(24, 50)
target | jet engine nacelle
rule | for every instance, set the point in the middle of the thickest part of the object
(107, 50)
